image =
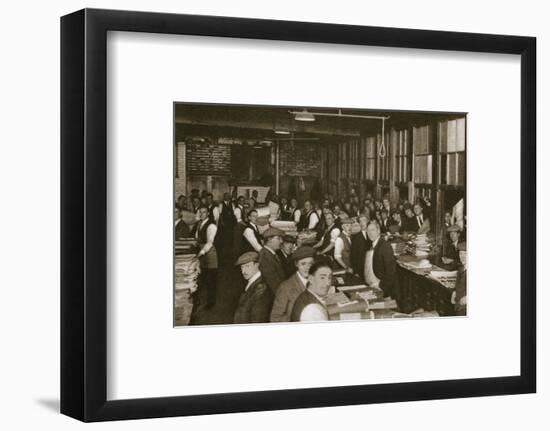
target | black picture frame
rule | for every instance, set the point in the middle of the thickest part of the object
(84, 214)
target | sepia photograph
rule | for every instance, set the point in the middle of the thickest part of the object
(310, 214)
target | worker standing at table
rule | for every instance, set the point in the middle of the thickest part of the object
(380, 267)
(309, 217)
(205, 235)
(342, 245)
(309, 306)
(325, 245)
(252, 239)
(290, 289)
(360, 243)
(270, 264)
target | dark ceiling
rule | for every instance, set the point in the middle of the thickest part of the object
(259, 122)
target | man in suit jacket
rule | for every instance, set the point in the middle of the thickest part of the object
(380, 266)
(285, 255)
(256, 301)
(360, 243)
(270, 264)
(384, 221)
(422, 221)
(290, 289)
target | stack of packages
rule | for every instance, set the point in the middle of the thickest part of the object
(399, 248)
(306, 237)
(421, 246)
(186, 246)
(288, 227)
(187, 270)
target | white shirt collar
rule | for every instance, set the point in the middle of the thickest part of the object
(252, 280)
(271, 250)
(302, 279)
(331, 290)
(375, 242)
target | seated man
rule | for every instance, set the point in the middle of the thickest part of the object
(256, 301)
(450, 253)
(384, 220)
(396, 225)
(409, 221)
(422, 222)
(309, 306)
(290, 289)
(458, 297)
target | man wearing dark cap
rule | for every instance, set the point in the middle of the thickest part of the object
(291, 288)
(256, 301)
(287, 248)
(270, 264)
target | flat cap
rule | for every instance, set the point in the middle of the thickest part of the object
(303, 252)
(346, 220)
(273, 231)
(454, 228)
(249, 256)
(461, 246)
(289, 238)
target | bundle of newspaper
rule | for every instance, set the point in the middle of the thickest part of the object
(288, 227)
(307, 237)
(187, 270)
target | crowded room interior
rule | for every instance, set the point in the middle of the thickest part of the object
(292, 214)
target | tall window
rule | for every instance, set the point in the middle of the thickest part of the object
(422, 155)
(452, 149)
(370, 143)
(402, 152)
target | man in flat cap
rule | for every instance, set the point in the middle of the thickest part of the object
(256, 301)
(291, 288)
(284, 253)
(270, 264)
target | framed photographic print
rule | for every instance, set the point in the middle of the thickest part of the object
(262, 215)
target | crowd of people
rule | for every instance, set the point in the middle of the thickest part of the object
(287, 280)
